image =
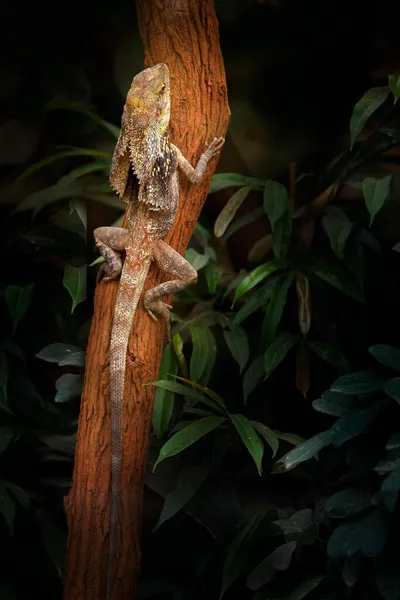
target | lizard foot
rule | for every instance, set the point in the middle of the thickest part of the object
(214, 147)
(107, 272)
(161, 309)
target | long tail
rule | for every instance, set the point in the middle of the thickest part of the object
(131, 284)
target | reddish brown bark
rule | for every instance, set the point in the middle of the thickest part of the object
(183, 34)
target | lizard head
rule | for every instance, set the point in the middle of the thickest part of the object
(148, 99)
(144, 127)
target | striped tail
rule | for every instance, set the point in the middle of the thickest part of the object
(130, 287)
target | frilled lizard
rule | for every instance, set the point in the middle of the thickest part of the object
(144, 172)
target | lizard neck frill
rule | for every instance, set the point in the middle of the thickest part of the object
(154, 191)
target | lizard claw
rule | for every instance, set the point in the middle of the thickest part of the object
(215, 146)
(109, 272)
(152, 315)
(157, 307)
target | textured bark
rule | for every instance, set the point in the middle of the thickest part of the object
(183, 34)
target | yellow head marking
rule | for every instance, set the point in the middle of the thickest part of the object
(135, 102)
(160, 88)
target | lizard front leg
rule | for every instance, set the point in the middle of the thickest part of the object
(196, 175)
(172, 263)
(111, 241)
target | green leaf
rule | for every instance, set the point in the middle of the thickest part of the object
(329, 354)
(205, 390)
(91, 153)
(366, 534)
(58, 352)
(282, 556)
(188, 482)
(354, 423)
(18, 299)
(290, 438)
(262, 574)
(305, 451)
(277, 351)
(240, 222)
(198, 261)
(213, 276)
(224, 180)
(337, 277)
(4, 403)
(77, 359)
(361, 382)
(78, 206)
(256, 276)
(203, 353)
(392, 389)
(211, 355)
(7, 506)
(186, 391)
(305, 588)
(42, 198)
(3, 373)
(238, 344)
(98, 261)
(19, 494)
(55, 542)
(177, 343)
(256, 301)
(269, 436)
(332, 403)
(75, 282)
(351, 570)
(65, 104)
(68, 386)
(303, 310)
(365, 107)
(164, 399)
(188, 436)
(375, 193)
(393, 442)
(369, 240)
(276, 305)
(387, 465)
(386, 355)
(253, 376)
(202, 235)
(303, 519)
(394, 86)
(12, 348)
(276, 201)
(238, 552)
(279, 560)
(347, 503)
(281, 234)
(74, 174)
(250, 439)
(390, 489)
(338, 228)
(6, 437)
(228, 212)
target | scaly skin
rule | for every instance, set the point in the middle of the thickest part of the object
(144, 172)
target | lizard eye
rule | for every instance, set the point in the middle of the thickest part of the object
(161, 88)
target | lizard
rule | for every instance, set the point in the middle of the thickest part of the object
(144, 172)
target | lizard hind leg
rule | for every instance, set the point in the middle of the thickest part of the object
(110, 241)
(173, 263)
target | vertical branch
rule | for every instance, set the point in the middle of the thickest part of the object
(184, 35)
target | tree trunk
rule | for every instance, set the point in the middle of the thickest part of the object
(184, 35)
